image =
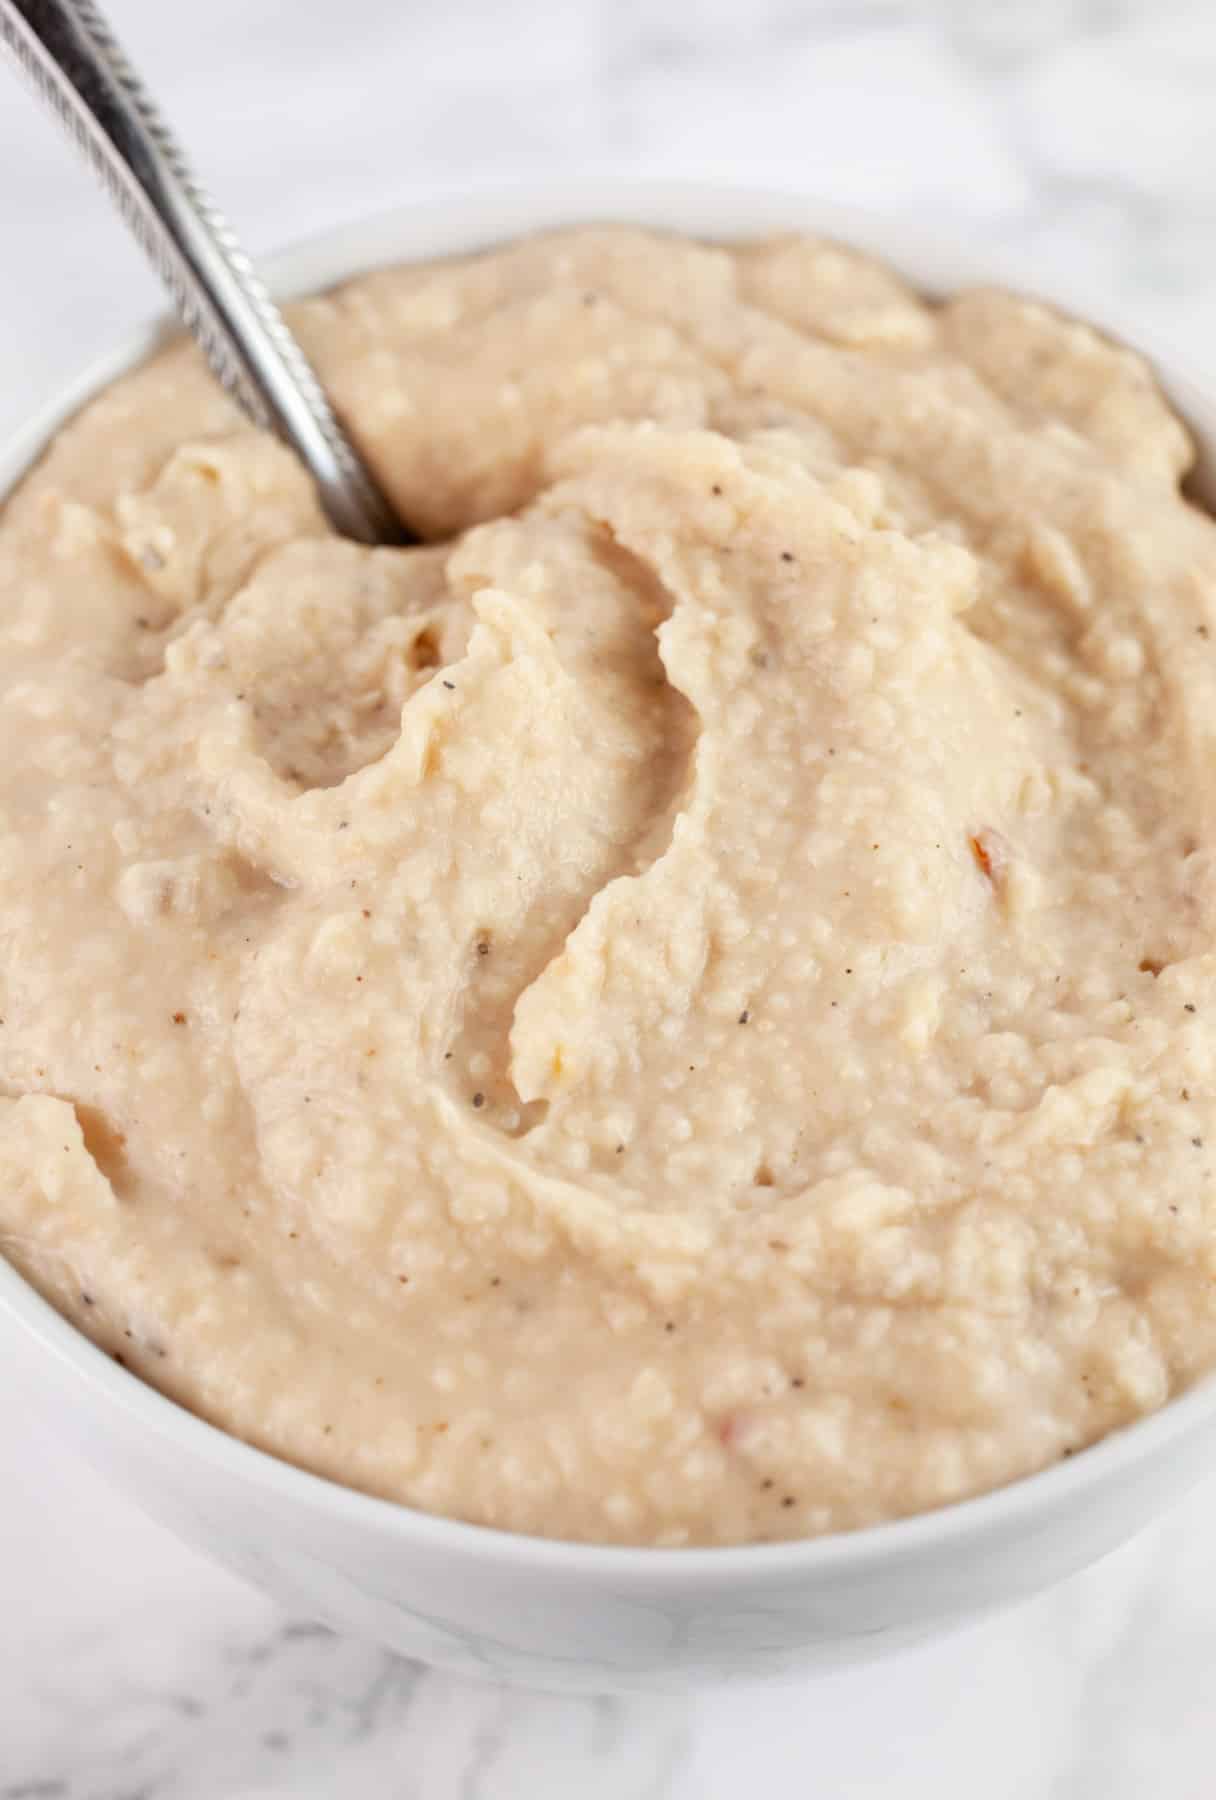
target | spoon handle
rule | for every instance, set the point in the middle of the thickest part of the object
(69, 52)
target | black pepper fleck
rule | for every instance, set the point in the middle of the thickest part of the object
(479, 1099)
(744, 1016)
(451, 686)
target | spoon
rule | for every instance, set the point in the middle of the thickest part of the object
(70, 54)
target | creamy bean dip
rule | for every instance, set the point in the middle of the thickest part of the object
(682, 1011)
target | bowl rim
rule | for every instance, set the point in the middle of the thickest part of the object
(461, 222)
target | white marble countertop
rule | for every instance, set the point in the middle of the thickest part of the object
(1079, 131)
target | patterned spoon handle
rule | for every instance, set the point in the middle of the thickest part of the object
(70, 54)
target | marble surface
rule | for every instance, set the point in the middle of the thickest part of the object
(1076, 131)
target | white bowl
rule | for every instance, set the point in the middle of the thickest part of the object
(574, 1616)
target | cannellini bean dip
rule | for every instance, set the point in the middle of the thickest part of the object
(681, 1011)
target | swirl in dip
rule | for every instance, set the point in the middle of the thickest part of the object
(681, 1011)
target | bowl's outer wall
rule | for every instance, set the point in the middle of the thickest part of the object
(631, 1624)
(556, 1616)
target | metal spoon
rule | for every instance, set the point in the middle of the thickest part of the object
(75, 63)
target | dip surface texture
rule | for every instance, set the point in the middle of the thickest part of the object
(683, 1013)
